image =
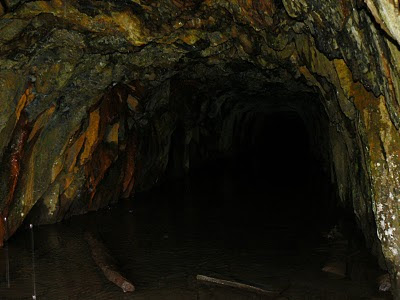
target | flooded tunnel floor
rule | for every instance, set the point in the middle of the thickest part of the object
(211, 223)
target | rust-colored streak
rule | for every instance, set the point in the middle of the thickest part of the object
(112, 107)
(16, 154)
(96, 168)
(25, 99)
(73, 152)
(92, 136)
(41, 122)
(17, 148)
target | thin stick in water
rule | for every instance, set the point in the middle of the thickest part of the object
(237, 285)
(33, 263)
(106, 263)
(7, 254)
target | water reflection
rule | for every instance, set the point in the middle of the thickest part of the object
(221, 223)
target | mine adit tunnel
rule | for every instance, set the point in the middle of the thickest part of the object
(102, 101)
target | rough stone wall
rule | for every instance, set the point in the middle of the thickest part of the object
(76, 77)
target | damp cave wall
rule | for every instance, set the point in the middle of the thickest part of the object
(82, 83)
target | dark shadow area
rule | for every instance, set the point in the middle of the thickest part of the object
(258, 215)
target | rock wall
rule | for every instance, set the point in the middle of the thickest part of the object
(92, 91)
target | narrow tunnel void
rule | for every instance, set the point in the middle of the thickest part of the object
(259, 214)
(284, 183)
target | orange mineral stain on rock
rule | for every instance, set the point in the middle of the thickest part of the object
(362, 98)
(20, 106)
(190, 37)
(25, 99)
(132, 103)
(71, 188)
(41, 122)
(92, 134)
(67, 180)
(73, 152)
(15, 163)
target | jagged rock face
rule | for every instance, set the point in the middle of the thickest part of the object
(93, 91)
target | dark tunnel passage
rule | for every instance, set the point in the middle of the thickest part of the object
(248, 197)
(271, 167)
(263, 214)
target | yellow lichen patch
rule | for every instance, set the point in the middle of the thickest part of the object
(112, 136)
(92, 134)
(368, 105)
(1, 10)
(345, 76)
(362, 98)
(73, 152)
(190, 37)
(20, 106)
(40, 122)
(131, 25)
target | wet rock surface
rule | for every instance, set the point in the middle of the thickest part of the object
(92, 92)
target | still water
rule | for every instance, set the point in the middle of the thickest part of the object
(225, 223)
